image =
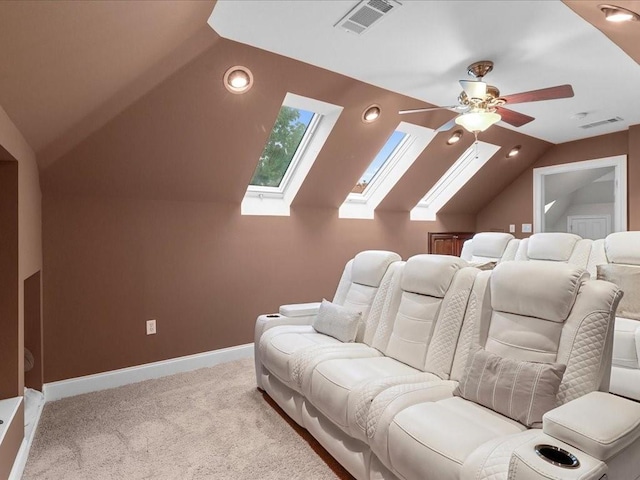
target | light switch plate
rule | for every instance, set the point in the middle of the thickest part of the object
(526, 228)
(512, 228)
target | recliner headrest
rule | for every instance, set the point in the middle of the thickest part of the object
(552, 246)
(430, 274)
(370, 266)
(491, 244)
(545, 290)
(623, 247)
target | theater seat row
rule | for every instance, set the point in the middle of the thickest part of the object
(431, 368)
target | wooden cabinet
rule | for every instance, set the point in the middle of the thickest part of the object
(448, 243)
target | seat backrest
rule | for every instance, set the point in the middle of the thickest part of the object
(361, 280)
(622, 267)
(420, 321)
(489, 247)
(556, 247)
(550, 312)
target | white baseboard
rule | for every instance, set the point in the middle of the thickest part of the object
(117, 378)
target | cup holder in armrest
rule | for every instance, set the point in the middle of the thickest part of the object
(274, 315)
(557, 456)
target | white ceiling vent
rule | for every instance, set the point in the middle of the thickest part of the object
(365, 14)
(602, 122)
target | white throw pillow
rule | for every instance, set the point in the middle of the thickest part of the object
(337, 321)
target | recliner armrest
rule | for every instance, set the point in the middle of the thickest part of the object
(300, 309)
(617, 425)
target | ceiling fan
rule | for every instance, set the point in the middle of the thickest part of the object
(480, 104)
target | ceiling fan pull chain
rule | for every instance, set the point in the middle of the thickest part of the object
(476, 143)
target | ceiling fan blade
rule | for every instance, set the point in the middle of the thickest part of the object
(551, 93)
(474, 88)
(516, 119)
(447, 126)
(418, 110)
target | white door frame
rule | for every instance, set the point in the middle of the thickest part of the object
(620, 188)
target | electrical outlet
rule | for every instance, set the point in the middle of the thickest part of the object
(151, 327)
(526, 228)
(512, 228)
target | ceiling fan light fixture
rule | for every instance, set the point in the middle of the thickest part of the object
(476, 122)
(238, 79)
(514, 151)
(613, 13)
(371, 113)
(455, 137)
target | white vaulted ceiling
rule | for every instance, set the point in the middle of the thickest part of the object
(424, 47)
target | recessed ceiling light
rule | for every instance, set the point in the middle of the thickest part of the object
(514, 151)
(455, 137)
(371, 113)
(613, 13)
(238, 79)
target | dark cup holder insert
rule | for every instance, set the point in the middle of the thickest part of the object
(557, 456)
(273, 315)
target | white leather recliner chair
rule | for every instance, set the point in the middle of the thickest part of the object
(622, 251)
(542, 312)
(488, 247)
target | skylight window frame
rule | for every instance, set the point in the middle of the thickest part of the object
(276, 201)
(278, 192)
(454, 179)
(363, 206)
(385, 169)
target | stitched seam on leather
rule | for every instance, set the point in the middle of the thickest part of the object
(521, 347)
(427, 446)
(331, 381)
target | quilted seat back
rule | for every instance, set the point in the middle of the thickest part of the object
(556, 247)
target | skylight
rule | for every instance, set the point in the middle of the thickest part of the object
(396, 156)
(287, 135)
(299, 132)
(467, 165)
(388, 150)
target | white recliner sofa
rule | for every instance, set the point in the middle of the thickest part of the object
(557, 247)
(490, 247)
(384, 406)
(622, 266)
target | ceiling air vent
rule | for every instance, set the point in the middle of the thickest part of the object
(365, 14)
(602, 122)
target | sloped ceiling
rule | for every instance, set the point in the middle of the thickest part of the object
(61, 60)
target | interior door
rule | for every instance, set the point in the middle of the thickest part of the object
(589, 226)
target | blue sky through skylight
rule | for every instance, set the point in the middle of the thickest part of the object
(380, 159)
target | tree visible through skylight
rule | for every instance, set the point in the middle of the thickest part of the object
(284, 140)
(381, 158)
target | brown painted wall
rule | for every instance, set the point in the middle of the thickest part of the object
(29, 220)
(9, 324)
(515, 203)
(142, 219)
(202, 270)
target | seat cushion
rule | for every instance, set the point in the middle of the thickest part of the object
(626, 343)
(333, 381)
(279, 344)
(433, 439)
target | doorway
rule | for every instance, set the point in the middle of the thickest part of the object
(586, 198)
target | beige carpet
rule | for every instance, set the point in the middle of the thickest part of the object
(208, 424)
